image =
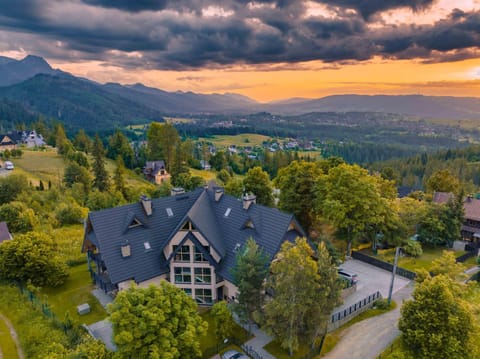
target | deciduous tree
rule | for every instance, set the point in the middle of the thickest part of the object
(297, 190)
(156, 322)
(257, 182)
(32, 258)
(438, 323)
(223, 319)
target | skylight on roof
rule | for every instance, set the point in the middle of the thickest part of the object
(147, 245)
(169, 211)
(227, 212)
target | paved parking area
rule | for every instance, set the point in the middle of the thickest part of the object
(370, 279)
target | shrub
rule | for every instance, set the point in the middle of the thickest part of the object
(413, 248)
(70, 213)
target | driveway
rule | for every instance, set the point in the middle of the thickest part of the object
(370, 279)
(369, 338)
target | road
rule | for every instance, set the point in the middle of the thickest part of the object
(14, 336)
(369, 338)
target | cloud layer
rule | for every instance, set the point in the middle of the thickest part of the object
(181, 34)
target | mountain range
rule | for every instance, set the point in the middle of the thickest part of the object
(80, 102)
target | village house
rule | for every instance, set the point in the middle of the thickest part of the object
(156, 172)
(190, 239)
(471, 206)
(5, 234)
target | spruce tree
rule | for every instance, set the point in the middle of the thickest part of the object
(100, 180)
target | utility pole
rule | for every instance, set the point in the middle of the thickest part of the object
(397, 252)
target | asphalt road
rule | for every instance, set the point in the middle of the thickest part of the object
(370, 279)
(369, 338)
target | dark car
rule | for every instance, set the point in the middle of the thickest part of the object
(233, 354)
(352, 277)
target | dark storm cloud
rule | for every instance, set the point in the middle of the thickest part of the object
(370, 7)
(191, 34)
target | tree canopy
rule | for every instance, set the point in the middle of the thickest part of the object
(257, 182)
(159, 322)
(32, 257)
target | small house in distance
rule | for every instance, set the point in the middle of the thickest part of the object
(156, 172)
(189, 239)
(5, 234)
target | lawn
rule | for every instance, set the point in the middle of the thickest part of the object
(244, 139)
(69, 242)
(41, 165)
(206, 175)
(76, 290)
(7, 345)
(412, 263)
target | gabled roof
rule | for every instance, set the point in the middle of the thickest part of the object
(472, 209)
(224, 233)
(4, 232)
(153, 167)
(442, 197)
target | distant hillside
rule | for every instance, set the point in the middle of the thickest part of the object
(78, 103)
(182, 102)
(14, 71)
(413, 105)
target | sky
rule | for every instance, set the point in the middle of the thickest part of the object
(267, 49)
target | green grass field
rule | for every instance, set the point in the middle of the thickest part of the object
(412, 263)
(40, 165)
(244, 139)
(7, 345)
(76, 290)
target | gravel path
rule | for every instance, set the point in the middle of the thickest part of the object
(369, 338)
(14, 335)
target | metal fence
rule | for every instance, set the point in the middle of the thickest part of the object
(355, 307)
(383, 265)
(472, 252)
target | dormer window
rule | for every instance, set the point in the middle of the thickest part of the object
(135, 223)
(249, 224)
(188, 226)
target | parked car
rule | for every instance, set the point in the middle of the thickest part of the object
(9, 165)
(352, 277)
(233, 354)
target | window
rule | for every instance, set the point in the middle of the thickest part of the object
(183, 275)
(135, 223)
(169, 212)
(188, 226)
(147, 246)
(227, 212)
(199, 256)
(203, 275)
(183, 254)
(203, 296)
(188, 291)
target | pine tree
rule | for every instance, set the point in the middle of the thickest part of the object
(100, 181)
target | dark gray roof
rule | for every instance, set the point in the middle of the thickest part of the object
(4, 232)
(110, 229)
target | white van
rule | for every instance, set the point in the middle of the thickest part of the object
(9, 165)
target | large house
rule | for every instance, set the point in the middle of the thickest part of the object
(156, 172)
(190, 239)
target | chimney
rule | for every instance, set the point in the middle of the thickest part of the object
(146, 204)
(176, 191)
(218, 193)
(248, 200)
(125, 249)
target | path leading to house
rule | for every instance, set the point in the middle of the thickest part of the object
(14, 336)
(369, 338)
